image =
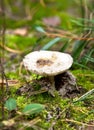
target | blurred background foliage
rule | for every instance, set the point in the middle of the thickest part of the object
(44, 21)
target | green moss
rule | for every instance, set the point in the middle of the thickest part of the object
(22, 101)
(20, 42)
(85, 78)
(77, 113)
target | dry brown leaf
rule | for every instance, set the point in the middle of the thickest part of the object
(21, 31)
(10, 122)
(52, 21)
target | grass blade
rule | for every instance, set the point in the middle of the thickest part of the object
(77, 49)
(40, 29)
(51, 43)
(83, 97)
(87, 57)
(65, 46)
(79, 65)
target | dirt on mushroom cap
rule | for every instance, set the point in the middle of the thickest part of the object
(42, 62)
(47, 62)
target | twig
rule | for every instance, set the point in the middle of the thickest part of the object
(10, 50)
(9, 82)
(50, 32)
(64, 36)
(2, 53)
(77, 122)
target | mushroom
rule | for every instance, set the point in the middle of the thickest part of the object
(48, 63)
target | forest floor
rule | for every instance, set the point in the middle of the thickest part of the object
(72, 110)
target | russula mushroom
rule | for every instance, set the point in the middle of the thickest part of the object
(48, 63)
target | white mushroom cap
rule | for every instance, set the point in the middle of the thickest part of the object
(47, 63)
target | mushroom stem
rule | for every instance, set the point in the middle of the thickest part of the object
(52, 88)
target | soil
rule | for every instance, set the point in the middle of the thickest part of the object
(65, 85)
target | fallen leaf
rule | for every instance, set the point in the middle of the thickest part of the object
(8, 122)
(21, 31)
(52, 21)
